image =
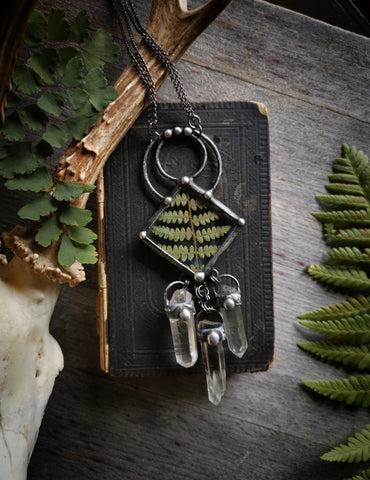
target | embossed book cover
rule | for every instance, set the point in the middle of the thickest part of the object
(134, 329)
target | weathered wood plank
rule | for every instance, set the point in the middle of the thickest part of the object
(313, 78)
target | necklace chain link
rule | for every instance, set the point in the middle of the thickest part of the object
(127, 15)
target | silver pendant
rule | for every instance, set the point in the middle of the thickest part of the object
(191, 230)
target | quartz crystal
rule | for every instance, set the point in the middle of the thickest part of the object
(183, 327)
(230, 308)
(214, 364)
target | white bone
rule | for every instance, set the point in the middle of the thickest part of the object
(30, 359)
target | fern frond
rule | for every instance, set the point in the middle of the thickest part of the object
(350, 278)
(348, 308)
(357, 237)
(364, 475)
(344, 189)
(353, 355)
(345, 218)
(356, 450)
(347, 202)
(355, 330)
(352, 390)
(349, 255)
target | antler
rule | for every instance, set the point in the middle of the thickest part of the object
(175, 28)
(13, 22)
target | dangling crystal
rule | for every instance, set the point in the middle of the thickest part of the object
(213, 359)
(229, 301)
(180, 311)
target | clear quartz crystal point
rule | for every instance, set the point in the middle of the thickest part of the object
(180, 311)
(214, 361)
(229, 301)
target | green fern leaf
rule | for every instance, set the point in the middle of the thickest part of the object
(352, 355)
(354, 330)
(49, 232)
(13, 129)
(356, 450)
(80, 28)
(205, 218)
(361, 168)
(36, 181)
(211, 233)
(70, 251)
(364, 475)
(343, 178)
(75, 216)
(345, 218)
(350, 278)
(58, 25)
(343, 201)
(359, 237)
(36, 29)
(42, 206)
(344, 189)
(348, 308)
(173, 216)
(44, 63)
(352, 391)
(351, 255)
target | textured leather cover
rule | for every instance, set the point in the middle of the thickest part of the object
(138, 330)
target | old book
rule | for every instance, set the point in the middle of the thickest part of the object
(134, 331)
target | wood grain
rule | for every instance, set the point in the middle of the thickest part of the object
(313, 79)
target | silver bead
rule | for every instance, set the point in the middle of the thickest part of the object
(142, 235)
(188, 131)
(229, 304)
(177, 130)
(185, 180)
(241, 221)
(213, 338)
(208, 194)
(185, 314)
(199, 276)
(168, 133)
(168, 200)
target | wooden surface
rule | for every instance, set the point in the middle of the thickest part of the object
(314, 80)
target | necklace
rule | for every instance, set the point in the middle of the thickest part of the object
(191, 229)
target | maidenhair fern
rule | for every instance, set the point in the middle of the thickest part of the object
(346, 325)
(56, 94)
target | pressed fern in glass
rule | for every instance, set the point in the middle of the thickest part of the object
(192, 231)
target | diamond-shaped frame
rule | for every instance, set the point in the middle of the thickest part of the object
(198, 254)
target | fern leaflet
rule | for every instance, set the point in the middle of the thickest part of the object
(352, 355)
(345, 218)
(352, 330)
(344, 188)
(350, 278)
(343, 201)
(359, 237)
(349, 255)
(352, 390)
(356, 450)
(348, 308)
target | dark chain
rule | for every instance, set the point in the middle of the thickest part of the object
(140, 65)
(127, 10)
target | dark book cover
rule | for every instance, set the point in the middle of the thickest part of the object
(136, 338)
